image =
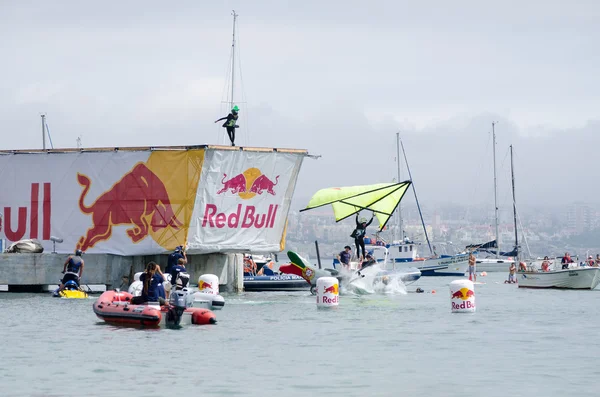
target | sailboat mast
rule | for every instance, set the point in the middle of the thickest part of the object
(233, 59)
(399, 210)
(512, 173)
(495, 190)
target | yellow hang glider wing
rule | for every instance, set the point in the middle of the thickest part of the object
(381, 198)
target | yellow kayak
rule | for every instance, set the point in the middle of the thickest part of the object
(73, 294)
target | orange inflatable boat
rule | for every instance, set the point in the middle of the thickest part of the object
(115, 307)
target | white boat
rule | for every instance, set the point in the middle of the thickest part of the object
(491, 265)
(576, 277)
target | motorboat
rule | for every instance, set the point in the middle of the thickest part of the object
(573, 277)
(262, 274)
(115, 307)
(199, 297)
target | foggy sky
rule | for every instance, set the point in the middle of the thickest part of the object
(338, 78)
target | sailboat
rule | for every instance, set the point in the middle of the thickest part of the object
(495, 263)
(402, 254)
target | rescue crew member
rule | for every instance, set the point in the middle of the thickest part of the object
(249, 266)
(179, 275)
(174, 257)
(230, 123)
(74, 269)
(344, 257)
(359, 235)
(151, 280)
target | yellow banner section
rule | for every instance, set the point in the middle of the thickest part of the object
(180, 173)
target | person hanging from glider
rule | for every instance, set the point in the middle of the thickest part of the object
(359, 235)
(230, 123)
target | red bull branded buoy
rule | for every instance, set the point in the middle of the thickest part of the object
(328, 292)
(209, 284)
(462, 296)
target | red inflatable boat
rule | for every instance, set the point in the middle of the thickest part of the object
(115, 307)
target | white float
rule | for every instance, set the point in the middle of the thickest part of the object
(462, 296)
(328, 292)
(209, 284)
(207, 295)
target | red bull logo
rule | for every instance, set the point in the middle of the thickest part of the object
(332, 290)
(139, 198)
(464, 294)
(248, 184)
(202, 285)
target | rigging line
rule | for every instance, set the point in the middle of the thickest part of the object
(49, 137)
(416, 199)
(243, 92)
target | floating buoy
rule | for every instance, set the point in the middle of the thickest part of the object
(209, 284)
(483, 274)
(462, 296)
(328, 292)
(433, 291)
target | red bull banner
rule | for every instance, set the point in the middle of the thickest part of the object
(244, 201)
(141, 201)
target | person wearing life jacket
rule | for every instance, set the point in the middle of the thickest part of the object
(179, 275)
(566, 260)
(72, 269)
(546, 265)
(151, 279)
(230, 123)
(174, 257)
(249, 266)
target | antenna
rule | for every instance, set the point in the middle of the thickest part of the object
(233, 58)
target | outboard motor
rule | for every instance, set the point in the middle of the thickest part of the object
(178, 302)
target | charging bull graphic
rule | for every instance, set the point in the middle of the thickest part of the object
(139, 199)
(248, 184)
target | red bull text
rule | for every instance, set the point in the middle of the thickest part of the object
(234, 220)
(17, 233)
(464, 294)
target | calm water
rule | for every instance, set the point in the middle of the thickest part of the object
(519, 343)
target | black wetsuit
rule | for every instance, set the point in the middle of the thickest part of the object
(359, 235)
(230, 126)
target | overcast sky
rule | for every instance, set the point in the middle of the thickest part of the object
(338, 78)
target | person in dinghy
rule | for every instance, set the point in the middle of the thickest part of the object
(152, 280)
(72, 270)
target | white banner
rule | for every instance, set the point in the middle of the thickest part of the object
(142, 202)
(243, 201)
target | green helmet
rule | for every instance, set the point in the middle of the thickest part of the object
(235, 109)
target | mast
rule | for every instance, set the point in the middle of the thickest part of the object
(512, 173)
(495, 189)
(44, 131)
(399, 210)
(233, 59)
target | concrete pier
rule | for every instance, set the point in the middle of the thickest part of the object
(32, 272)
